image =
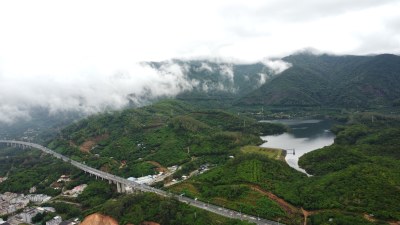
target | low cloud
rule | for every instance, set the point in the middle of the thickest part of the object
(263, 78)
(276, 66)
(205, 67)
(227, 71)
(88, 93)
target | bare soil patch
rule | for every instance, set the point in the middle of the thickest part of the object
(99, 219)
(90, 143)
(289, 208)
(159, 168)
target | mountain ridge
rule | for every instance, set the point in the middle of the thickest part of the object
(326, 80)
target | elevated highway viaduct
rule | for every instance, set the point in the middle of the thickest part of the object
(124, 185)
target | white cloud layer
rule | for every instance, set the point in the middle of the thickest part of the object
(277, 66)
(84, 54)
(88, 93)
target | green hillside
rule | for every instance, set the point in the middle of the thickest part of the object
(334, 81)
(132, 142)
(361, 171)
(359, 175)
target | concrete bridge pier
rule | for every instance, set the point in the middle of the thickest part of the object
(120, 187)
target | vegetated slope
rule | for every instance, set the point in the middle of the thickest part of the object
(27, 168)
(360, 172)
(358, 175)
(169, 133)
(338, 81)
(247, 183)
(139, 208)
(136, 209)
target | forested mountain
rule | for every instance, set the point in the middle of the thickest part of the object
(327, 80)
(311, 80)
(219, 81)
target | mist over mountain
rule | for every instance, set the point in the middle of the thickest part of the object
(135, 85)
(224, 80)
(31, 104)
(302, 79)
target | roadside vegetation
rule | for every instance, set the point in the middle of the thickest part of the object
(30, 168)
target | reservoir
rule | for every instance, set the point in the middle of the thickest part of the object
(303, 136)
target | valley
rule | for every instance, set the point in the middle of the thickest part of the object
(214, 156)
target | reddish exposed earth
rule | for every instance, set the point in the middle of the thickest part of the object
(99, 219)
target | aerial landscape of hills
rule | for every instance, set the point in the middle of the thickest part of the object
(213, 128)
(200, 112)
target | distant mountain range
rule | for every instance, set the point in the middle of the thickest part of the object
(220, 80)
(326, 80)
(312, 80)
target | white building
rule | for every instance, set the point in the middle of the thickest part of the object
(40, 198)
(48, 209)
(143, 180)
(55, 221)
(28, 214)
(64, 178)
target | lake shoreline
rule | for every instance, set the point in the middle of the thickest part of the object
(303, 136)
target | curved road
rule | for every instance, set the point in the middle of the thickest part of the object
(145, 188)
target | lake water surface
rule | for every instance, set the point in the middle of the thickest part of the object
(304, 136)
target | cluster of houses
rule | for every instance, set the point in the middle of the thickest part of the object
(19, 210)
(26, 216)
(11, 202)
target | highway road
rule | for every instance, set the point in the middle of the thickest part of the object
(145, 188)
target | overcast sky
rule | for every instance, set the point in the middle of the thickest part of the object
(57, 48)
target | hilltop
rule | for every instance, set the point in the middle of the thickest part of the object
(332, 81)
